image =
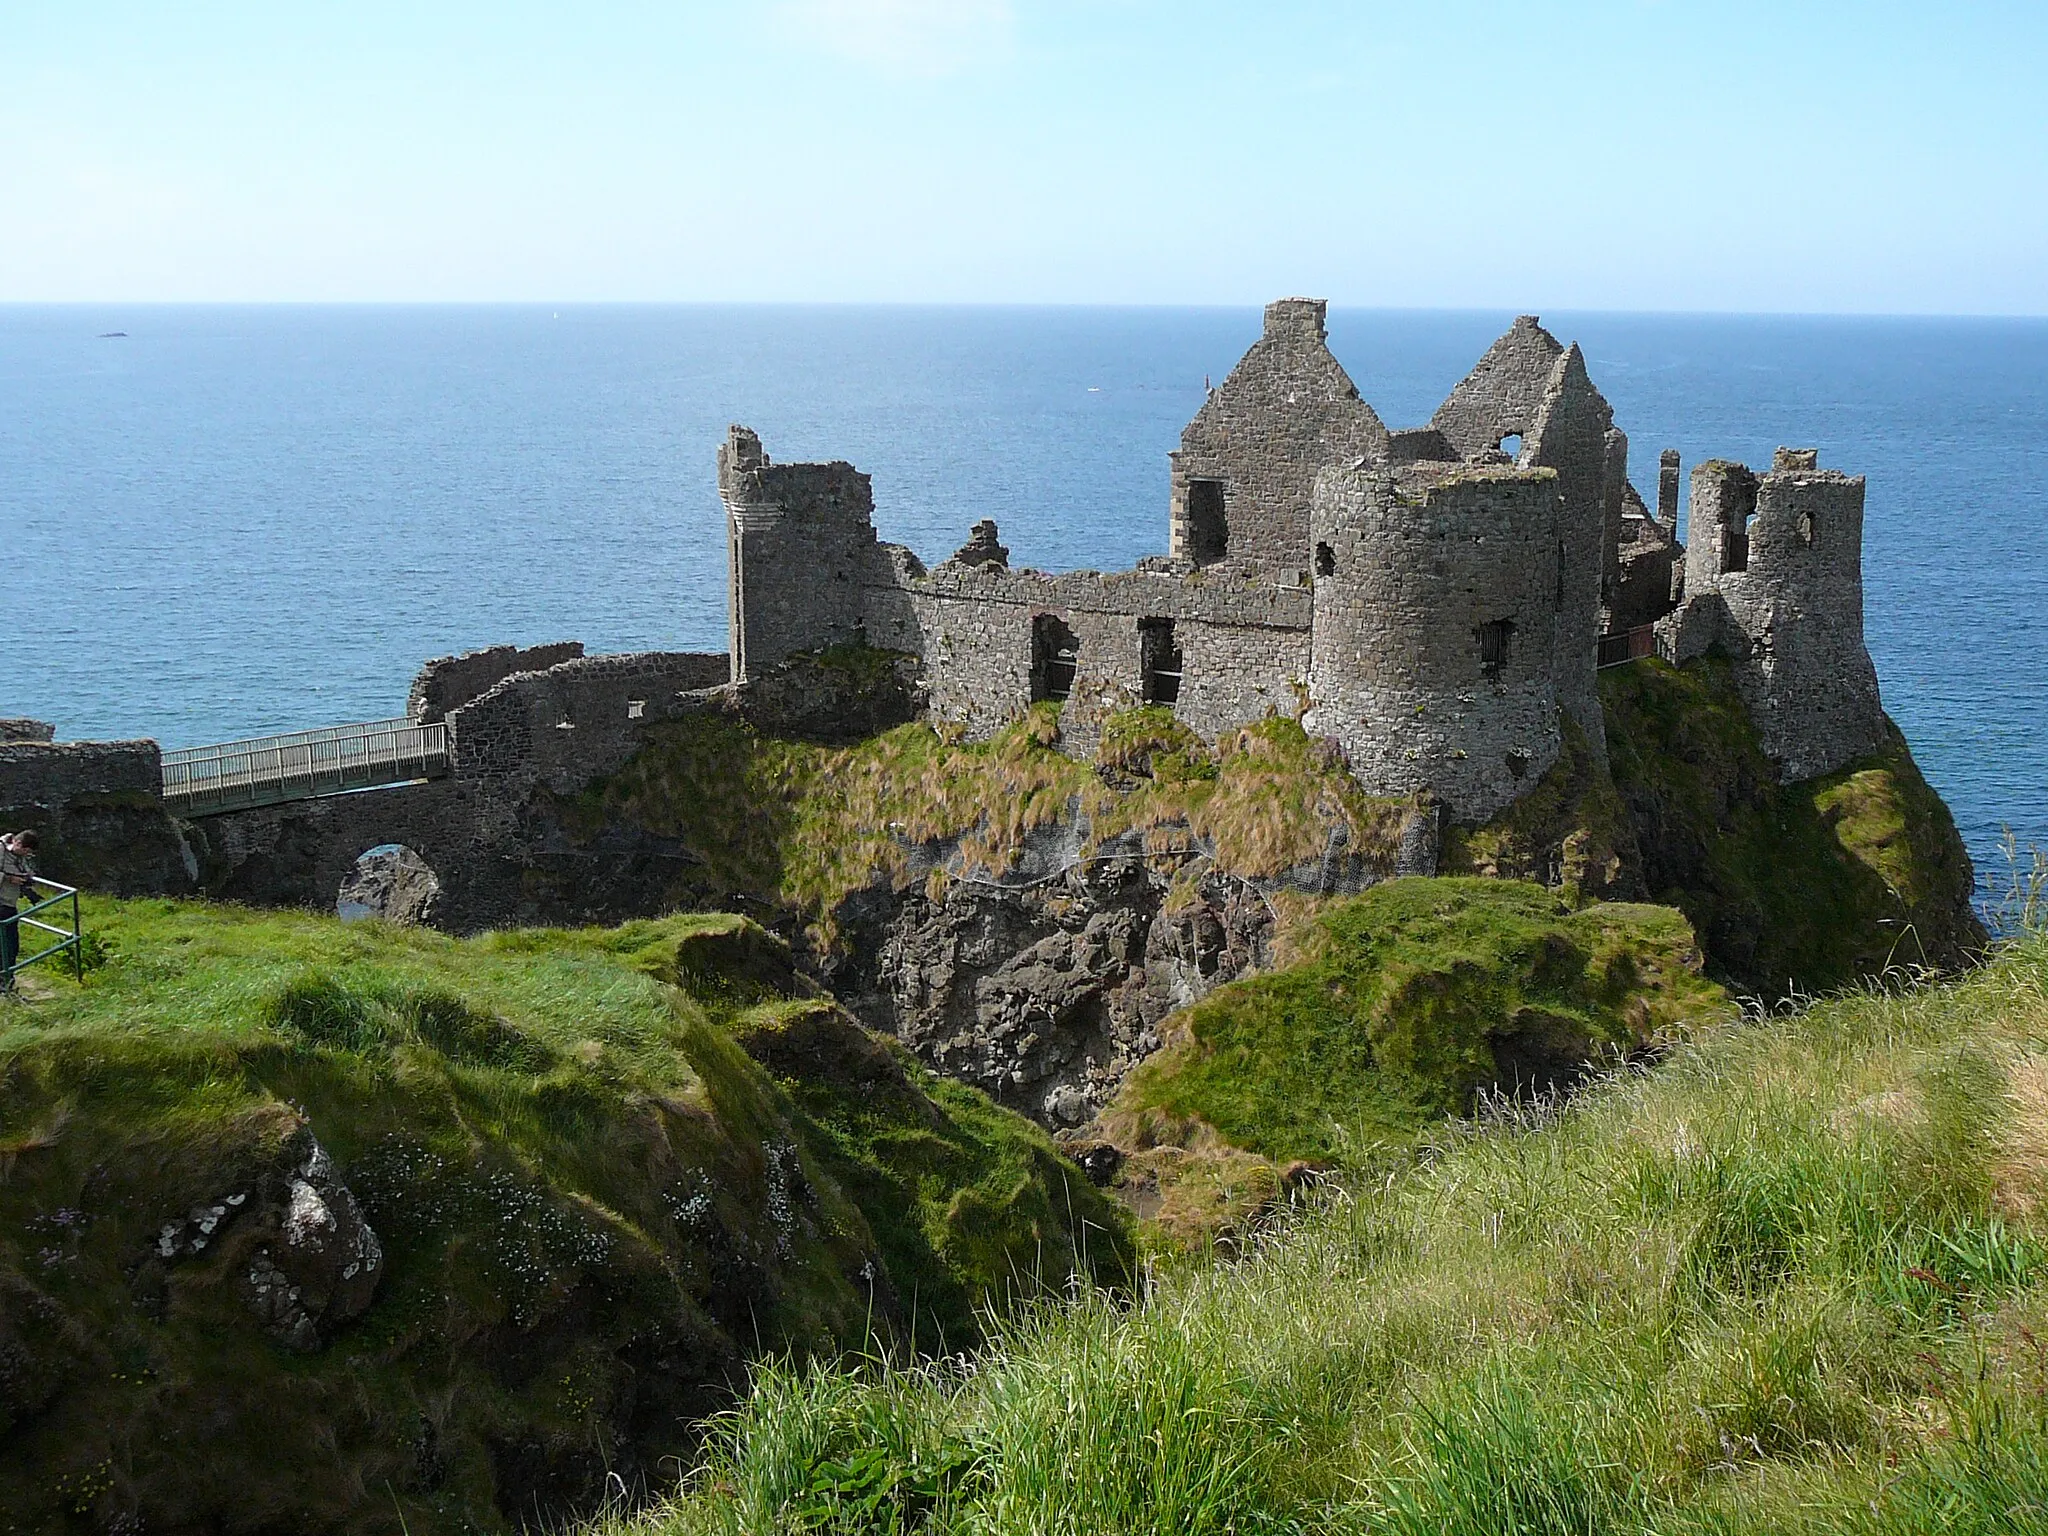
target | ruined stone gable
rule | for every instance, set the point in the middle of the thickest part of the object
(1247, 464)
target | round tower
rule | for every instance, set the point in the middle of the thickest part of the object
(1439, 593)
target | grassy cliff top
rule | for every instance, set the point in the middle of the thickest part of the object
(602, 1175)
(801, 825)
(1405, 1001)
(1792, 1280)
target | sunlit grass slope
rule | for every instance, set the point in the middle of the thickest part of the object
(1794, 1279)
(594, 1206)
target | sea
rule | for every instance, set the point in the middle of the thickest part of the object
(219, 522)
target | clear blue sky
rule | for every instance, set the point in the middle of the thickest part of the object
(1620, 154)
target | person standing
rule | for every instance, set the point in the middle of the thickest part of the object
(17, 880)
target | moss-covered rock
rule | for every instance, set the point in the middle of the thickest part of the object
(1792, 887)
(587, 1207)
(1403, 1004)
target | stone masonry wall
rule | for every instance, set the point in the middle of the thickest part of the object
(1287, 409)
(1775, 565)
(575, 721)
(449, 681)
(1243, 644)
(1503, 393)
(1400, 675)
(801, 552)
(1573, 435)
(96, 807)
(41, 774)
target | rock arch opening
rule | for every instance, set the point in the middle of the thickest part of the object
(391, 882)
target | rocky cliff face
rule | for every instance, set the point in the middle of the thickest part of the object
(1045, 996)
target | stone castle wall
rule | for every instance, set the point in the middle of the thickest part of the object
(447, 682)
(1287, 409)
(1774, 575)
(1437, 611)
(51, 775)
(576, 720)
(1242, 646)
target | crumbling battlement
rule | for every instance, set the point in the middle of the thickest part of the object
(447, 682)
(1434, 598)
(1774, 575)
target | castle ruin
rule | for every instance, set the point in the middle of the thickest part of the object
(1435, 600)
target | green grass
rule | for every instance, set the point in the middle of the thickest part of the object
(595, 1206)
(1795, 1279)
(802, 826)
(1409, 999)
(1800, 887)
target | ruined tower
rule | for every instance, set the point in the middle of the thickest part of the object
(1529, 402)
(800, 551)
(1440, 595)
(1774, 576)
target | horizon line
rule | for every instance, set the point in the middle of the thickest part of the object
(1023, 304)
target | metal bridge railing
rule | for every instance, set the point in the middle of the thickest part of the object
(68, 939)
(268, 770)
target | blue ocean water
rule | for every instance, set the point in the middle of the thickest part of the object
(236, 520)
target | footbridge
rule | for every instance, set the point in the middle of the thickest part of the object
(270, 770)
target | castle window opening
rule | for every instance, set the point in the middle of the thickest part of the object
(1054, 652)
(1511, 445)
(1735, 535)
(1208, 530)
(1159, 661)
(1493, 645)
(1806, 529)
(636, 709)
(1326, 560)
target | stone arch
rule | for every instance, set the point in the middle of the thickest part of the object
(390, 881)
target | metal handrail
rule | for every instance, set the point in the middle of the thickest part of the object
(66, 938)
(267, 769)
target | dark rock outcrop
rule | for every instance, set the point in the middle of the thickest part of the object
(1044, 996)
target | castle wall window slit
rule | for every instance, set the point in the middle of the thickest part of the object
(1493, 645)
(1326, 560)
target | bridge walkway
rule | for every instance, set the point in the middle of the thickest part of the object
(271, 770)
